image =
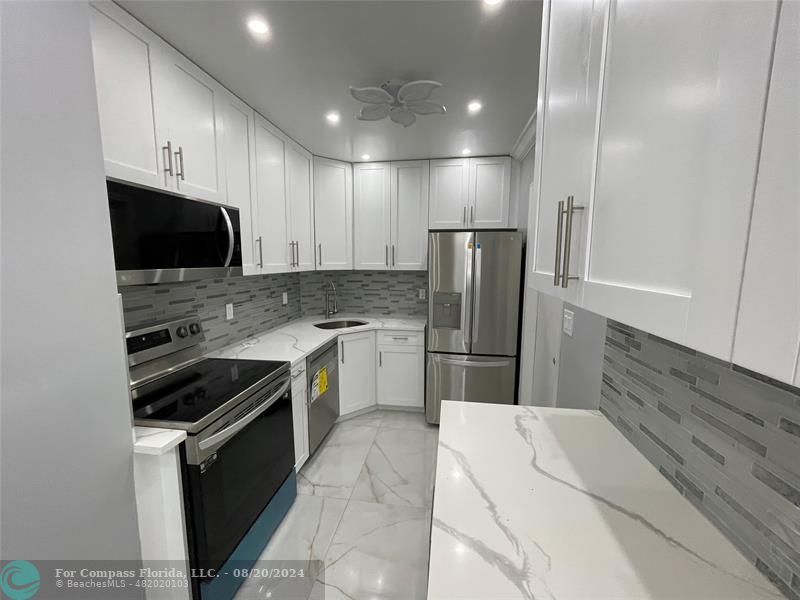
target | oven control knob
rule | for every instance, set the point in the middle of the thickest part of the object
(182, 332)
(194, 328)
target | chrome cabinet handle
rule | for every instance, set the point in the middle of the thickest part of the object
(394, 262)
(342, 352)
(168, 167)
(380, 359)
(297, 253)
(464, 217)
(179, 160)
(320, 255)
(291, 254)
(559, 227)
(398, 337)
(472, 215)
(297, 373)
(570, 211)
(231, 239)
(386, 255)
(260, 252)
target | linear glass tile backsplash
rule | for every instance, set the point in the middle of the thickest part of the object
(727, 439)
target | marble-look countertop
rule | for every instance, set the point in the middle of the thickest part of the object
(155, 440)
(556, 504)
(294, 341)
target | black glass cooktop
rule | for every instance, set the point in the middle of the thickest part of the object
(194, 392)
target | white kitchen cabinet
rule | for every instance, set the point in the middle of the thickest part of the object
(272, 240)
(189, 106)
(470, 193)
(409, 215)
(569, 81)
(300, 206)
(300, 415)
(123, 51)
(371, 215)
(674, 177)
(449, 191)
(239, 146)
(768, 327)
(333, 214)
(401, 370)
(356, 371)
(489, 192)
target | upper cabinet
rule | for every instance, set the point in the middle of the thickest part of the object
(273, 235)
(300, 205)
(160, 115)
(768, 328)
(470, 193)
(390, 213)
(658, 228)
(333, 214)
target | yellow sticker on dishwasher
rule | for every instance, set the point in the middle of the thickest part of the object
(319, 383)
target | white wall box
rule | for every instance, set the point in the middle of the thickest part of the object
(390, 214)
(470, 193)
(300, 207)
(356, 371)
(333, 214)
(300, 415)
(768, 328)
(401, 369)
(273, 238)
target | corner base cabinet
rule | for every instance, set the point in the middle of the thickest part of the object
(356, 371)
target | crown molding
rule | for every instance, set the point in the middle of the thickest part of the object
(526, 139)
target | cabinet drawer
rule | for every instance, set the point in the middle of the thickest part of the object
(401, 338)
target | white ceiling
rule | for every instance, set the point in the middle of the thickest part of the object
(319, 48)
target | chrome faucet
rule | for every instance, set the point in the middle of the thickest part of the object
(330, 300)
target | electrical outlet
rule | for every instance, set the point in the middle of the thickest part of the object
(285, 298)
(228, 311)
(423, 293)
(568, 324)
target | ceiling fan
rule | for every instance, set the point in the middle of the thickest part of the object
(399, 100)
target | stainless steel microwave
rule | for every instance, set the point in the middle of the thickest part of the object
(160, 237)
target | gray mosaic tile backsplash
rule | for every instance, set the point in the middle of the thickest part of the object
(257, 305)
(390, 293)
(727, 439)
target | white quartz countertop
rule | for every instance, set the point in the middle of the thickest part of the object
(556, 504)
(296, 340)
(155, 441)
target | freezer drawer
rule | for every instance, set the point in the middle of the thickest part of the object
(470, 378)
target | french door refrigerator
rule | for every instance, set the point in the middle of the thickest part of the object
(473, 317)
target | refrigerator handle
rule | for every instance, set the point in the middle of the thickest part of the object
(474, 330)
(466, 321)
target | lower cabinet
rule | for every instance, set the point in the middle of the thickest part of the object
(401, 369)
(356, 371)
(300, 415)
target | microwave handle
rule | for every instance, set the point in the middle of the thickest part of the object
(231, 241)
(221, 437)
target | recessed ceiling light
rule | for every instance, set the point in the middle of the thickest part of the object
(474, 107)
(492, 3)
(466, 151)
(333, 117)
(258, 27)
(365, 157)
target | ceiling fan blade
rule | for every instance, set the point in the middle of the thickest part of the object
(373, 112)
(415, 91)
(403, 116)
(426, 107)
(371, 95)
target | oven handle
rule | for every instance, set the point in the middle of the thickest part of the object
(222, 436)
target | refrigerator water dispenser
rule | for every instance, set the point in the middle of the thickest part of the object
(446, 310)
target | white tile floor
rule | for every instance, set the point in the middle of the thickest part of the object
(363, 509)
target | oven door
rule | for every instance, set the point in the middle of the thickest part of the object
(234, 468)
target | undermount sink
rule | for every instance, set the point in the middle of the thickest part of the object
(339, 324)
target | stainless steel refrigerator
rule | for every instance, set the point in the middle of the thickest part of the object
(473, 317)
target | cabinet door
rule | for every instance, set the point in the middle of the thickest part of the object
(300, 201)
(449, 186)
(371, 236)
(123, 52)
(240, 151)
(189, 115)
(333, 214)
(489, 192)
(682, 107)
(569, 81)
(356, 372)
(768, 329)
(300, 416)
(400, 377)
(271, 195)
(409, 215)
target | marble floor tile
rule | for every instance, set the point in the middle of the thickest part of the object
(399, 468)
(334, 468)
(300, 542)
(370, 419)
(397, 419)
(379, 551)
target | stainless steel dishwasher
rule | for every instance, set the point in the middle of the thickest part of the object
(322, 370)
